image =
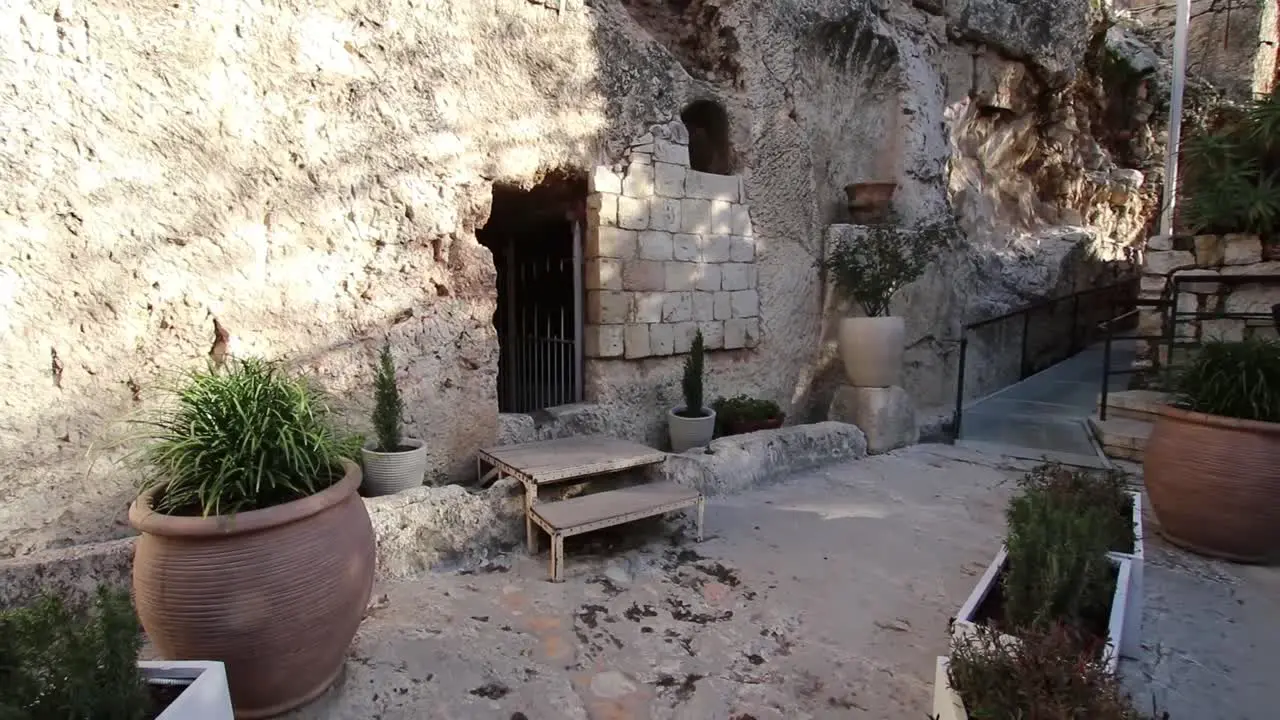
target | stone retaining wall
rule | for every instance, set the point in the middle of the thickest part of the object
(669, 252)
(1208, 257)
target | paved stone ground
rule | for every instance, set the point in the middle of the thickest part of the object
(826, 596)
(1211, 637)
(1045, 414)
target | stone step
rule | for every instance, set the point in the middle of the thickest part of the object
(1134, 404)
(1121, 437)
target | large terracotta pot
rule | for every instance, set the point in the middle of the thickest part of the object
(275, 594)
(871, 349)
(1214, 484)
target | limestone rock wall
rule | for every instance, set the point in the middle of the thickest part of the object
(311, 176)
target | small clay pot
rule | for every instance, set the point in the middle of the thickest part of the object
(276, 594)
(870, 203)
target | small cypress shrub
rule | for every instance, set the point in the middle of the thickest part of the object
(691, 384)
(72, 663)
(388, 406)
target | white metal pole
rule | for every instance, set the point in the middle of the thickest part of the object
(1175, 116)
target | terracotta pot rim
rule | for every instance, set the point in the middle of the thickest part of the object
(146, 520)
(1220, 421)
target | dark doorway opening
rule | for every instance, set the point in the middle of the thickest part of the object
(536, 239)
(710, 149)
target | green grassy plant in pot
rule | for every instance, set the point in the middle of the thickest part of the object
(869, 270)
(1211, 462)
(392, 462)
(744, 414)
(692, 424)
(256, 549)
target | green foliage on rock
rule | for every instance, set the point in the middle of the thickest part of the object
(1232, 171)
(72, 663)
(388, 405)
(1238, 379)
(249, 437)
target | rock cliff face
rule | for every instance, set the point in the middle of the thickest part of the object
(312, 176)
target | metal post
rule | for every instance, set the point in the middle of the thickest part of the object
(1075, 320)
(1175, 116)
(955, 419)
(578, 332)
(1106, 375)
(1022, 357)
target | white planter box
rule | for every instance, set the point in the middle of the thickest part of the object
(206, 696)
(964, 623)
(947, 704)
(1131, 642)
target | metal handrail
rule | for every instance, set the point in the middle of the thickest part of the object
(1025, 313)
(1173, 317)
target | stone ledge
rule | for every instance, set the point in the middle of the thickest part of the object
(423, 528)
(75, 572)
(739, 462)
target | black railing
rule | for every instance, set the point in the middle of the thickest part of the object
(1172, 317)
(1055, 346)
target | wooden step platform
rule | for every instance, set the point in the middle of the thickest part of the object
(612, 507)
(578, 459)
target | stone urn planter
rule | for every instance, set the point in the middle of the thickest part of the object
(690, 432)
(276, 594)
(871, 349)
(387, 473)
(1214, 485)
(870, 203)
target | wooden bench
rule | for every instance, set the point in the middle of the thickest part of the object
(575, 460)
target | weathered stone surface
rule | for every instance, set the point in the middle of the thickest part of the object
(1163, 262)
(73, 572)
(1209, 250)
(338, 192)
(420, 528)
(1049, 33)
(1241, 249)
(885, 415)
(735, 463)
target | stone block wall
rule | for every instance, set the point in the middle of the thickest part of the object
(1208, 258)
(669, 251)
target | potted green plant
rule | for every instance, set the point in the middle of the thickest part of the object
(744, 414)
(869, 270)
(74, 662)
(392, 463)
(1068, 560)
(1210, 463)
(255, 548)
(692, 424)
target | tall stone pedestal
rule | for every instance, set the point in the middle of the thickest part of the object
(885, 415)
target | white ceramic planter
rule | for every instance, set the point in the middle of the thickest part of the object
(871, 349)
(206, 696)
(964, 623)
(690, 432)
(387, 473)
(1131, 641)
